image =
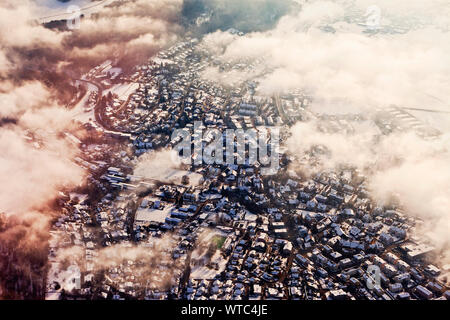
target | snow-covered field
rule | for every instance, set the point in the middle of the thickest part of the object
(122, 90)
(67, 278)
(169, 175)
(202, 272)
(79, 111)
(436, 120)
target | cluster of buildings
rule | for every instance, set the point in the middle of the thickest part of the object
(225, 231)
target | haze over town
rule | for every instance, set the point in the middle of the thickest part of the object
(344, 103)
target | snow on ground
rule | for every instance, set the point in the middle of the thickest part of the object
(59, 278)
(161, 60)
(438, 120)
(249, 216)
(114, 72)
(153, 91)
(122, 90)
(145, 215)
(67, 279)
(203, 272)
(79, 111)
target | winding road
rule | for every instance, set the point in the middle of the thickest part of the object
(97, 108)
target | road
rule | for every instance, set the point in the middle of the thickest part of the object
(64, 14)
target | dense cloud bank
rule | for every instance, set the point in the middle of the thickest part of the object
(346, 67)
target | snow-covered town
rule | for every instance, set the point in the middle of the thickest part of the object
(224, 158)
(223, 231)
